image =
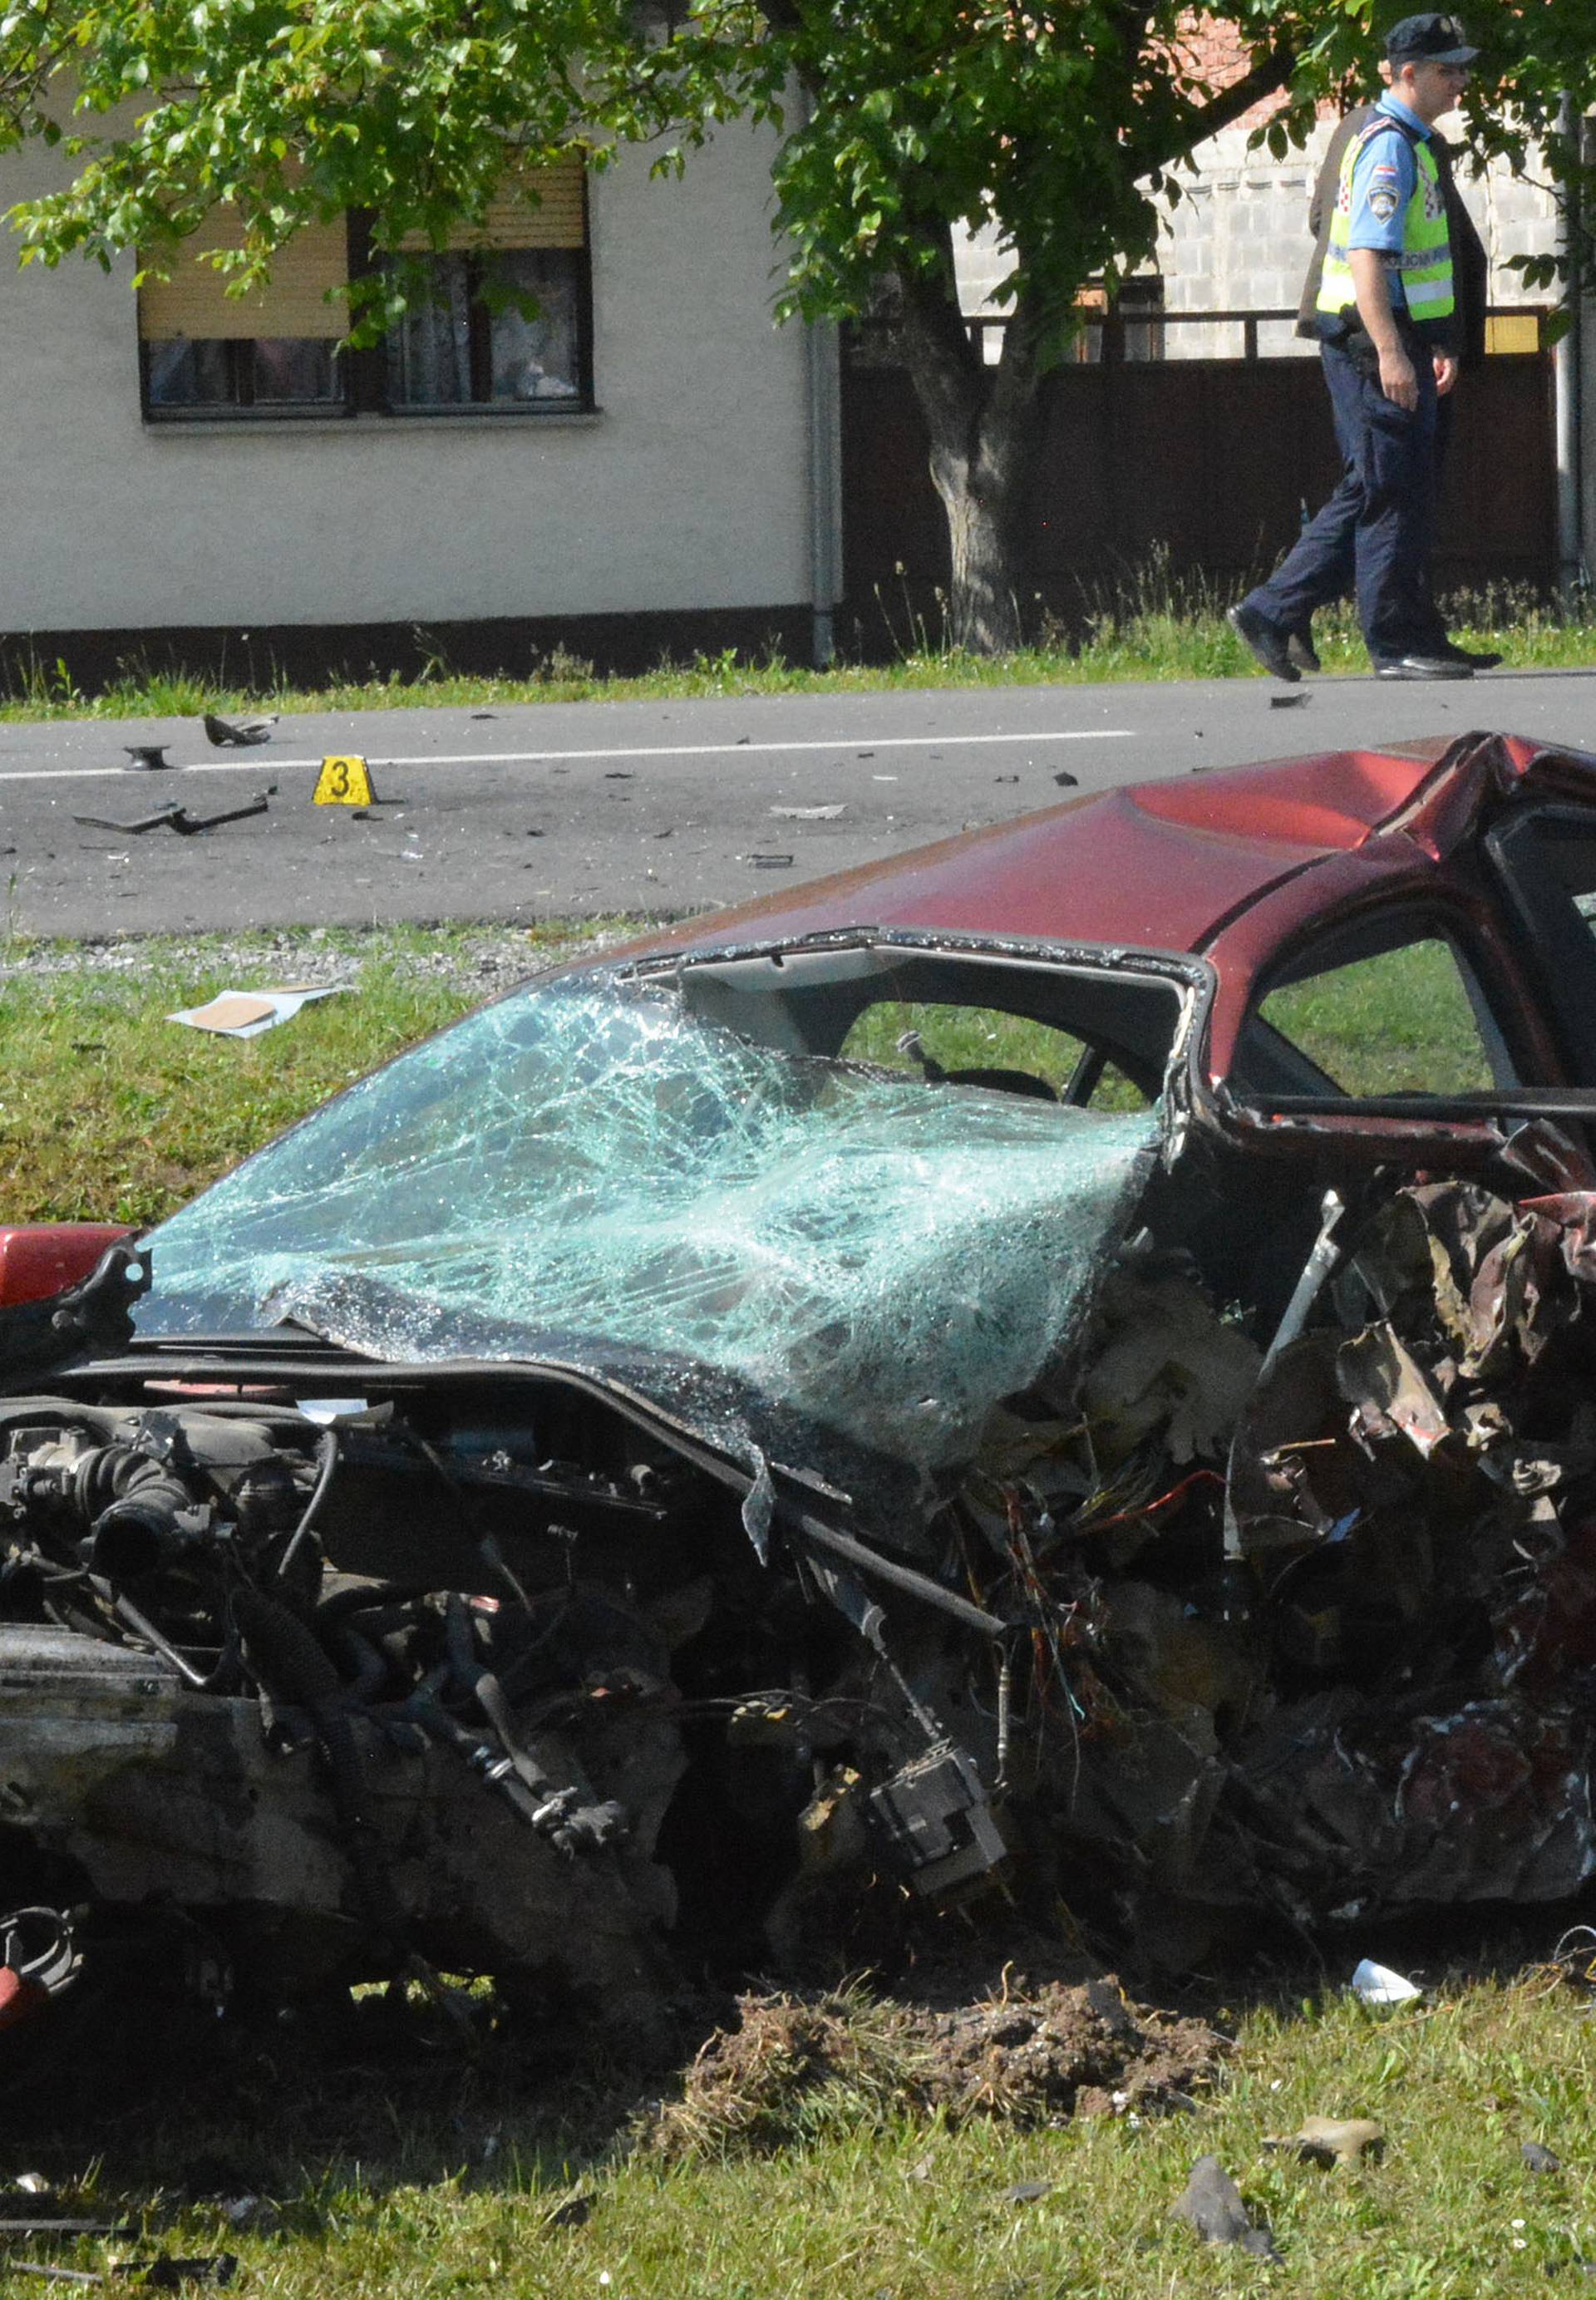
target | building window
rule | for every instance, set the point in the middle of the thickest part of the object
(461, 348)
(466, 346)
(1131, 327)
(268, 354)
(272, 373)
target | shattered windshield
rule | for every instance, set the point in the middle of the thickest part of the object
(588, 1173)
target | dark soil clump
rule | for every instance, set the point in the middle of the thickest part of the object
(797, 2065)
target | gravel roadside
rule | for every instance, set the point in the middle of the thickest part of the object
(487, 959)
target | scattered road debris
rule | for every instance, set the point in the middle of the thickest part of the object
(771, 861)
(250, 2215)
(1211, 2206)
(809, 813)
(1289, 701)
(1066, 780)
(575, 2212)
(1028, 2192)
(227, 734)
(246, 1013)
(1575, 1953)
(147, 758)
(165, 2273)
(66, 2227)
(1538, 2159)
(169, 2273)
(1377, 1985)
(176, 817)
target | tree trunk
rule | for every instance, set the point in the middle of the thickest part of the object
(981, 491)
(982, 443)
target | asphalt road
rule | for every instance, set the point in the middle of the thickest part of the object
(544, 809)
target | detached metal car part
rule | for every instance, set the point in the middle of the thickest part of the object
(988, 1361)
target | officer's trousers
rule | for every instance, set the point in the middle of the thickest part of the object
(1385, 504)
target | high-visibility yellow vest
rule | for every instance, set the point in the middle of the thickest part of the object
(1426, 263)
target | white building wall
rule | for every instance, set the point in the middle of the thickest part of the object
(688, 491)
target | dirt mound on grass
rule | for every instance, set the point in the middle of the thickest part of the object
(797, 2066)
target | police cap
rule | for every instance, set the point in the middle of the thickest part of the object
(1428, 40)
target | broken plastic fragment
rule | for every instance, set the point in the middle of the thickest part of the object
(1337, 2139)
(1376, 1984)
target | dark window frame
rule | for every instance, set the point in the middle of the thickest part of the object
(369, 366)
(243, 407)
(1556, 942)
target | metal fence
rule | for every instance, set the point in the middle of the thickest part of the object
(1205, 465)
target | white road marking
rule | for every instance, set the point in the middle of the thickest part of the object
(260, 760)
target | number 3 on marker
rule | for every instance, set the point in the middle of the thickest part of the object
(343, 782)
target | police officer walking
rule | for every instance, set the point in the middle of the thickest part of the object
(1384, 312)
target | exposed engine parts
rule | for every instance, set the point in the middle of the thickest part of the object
(478, 1670)
(366, 1697)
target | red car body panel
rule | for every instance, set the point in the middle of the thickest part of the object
(40, 1259)
(1235, 864)
(1169, 865)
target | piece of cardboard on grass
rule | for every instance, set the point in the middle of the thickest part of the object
(235, 1013)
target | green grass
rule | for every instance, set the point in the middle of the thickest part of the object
(1398, 1023)
(973, 1037)
(109, 1112)
(1151, 626)
(446, 2184)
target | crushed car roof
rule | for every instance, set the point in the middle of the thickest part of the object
(1185, 854)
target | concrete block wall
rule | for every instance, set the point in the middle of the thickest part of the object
(1237, 239)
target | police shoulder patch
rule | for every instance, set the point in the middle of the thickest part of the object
(1382, 204)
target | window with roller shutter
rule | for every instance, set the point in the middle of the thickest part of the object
(503, 324)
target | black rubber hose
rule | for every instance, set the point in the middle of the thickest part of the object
(327, 1462)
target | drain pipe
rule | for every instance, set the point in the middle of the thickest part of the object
(825, 384)
(822, 396)
(1568, 368)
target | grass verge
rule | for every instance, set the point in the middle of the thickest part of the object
(377, 2185)
(109, 1112)
(1154, 626)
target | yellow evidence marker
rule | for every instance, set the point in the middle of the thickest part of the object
(343, 782)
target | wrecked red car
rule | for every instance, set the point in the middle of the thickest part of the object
(1068, 1356)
